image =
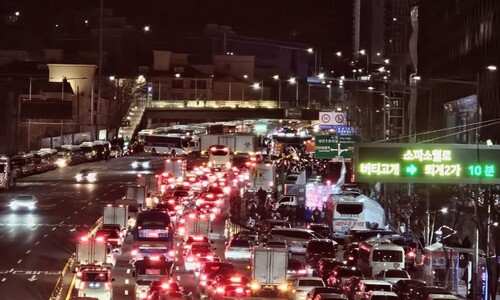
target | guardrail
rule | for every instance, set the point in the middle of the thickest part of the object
(56, 292)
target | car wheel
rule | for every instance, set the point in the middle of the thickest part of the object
(173, 153)
(153, 151)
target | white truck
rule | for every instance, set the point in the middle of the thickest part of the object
(176, 166)
(196, 225)
(263, 175)
(116, 214)
(236, 142)
(269, 266)
(149, 180)
(138, 193)
(92, 251)
(7, 174)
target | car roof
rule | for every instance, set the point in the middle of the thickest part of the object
(293, 229)
(383, 293)
(374, 281)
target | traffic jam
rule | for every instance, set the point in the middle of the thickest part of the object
(333, 245)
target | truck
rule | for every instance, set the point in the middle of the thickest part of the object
(149, 180)
(236, 142)
(138, 193)
(7, 174)
(116, 214)
(196, 225)
(92, 251)
(269, 266)
(176, 167)
(263, 175)
(150, 269)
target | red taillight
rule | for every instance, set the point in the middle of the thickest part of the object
(411, 254)
(100, 239)
(220, 290)
(84, 238)
(302, 272)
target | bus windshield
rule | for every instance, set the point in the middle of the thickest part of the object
(387, 255)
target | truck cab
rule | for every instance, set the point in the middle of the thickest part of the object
(150, 269)
(286, 200)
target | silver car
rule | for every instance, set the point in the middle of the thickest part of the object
(24, 201)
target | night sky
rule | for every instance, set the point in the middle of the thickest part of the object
(325, 24)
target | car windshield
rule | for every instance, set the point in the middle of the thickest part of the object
(24, 197)
(109, 233)
(311, 282)
(396, 274)
(95, 276)
(240, 243)
(219, 268)
(200, 247)
(377, 287)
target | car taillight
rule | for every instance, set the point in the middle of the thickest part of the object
(239, 290)
(411, 254)
(302, 272)
(220, 290)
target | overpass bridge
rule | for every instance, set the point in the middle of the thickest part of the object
(192, 111)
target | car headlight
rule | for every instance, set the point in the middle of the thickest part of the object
(79, 176)
(13, 205)
(92, 177)
(135, 164)
(145, 165)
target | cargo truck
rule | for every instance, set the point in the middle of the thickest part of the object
(176, 167)
(263, 175)
(195, 225)
(150, 269)
(235, 142)
(116, 215)
(269, 266)
(93, 251)
(138, 193)
(149, 180)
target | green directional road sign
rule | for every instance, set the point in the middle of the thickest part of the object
(427, 163)
(331, 146)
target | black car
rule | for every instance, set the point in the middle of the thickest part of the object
(326, 265)
(341, 274)
(321, 229)
(405, 287)
(422, 292)
(319, 248)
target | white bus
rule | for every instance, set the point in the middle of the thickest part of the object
(378, 254)
(347, 212)
(141, 135)
(218, 156)
(171, 144)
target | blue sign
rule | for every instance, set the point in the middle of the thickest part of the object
(345, 131)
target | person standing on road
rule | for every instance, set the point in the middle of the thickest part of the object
(316, 214)
(261, 195)
(307, 215)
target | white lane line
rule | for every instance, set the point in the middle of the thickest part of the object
(126, 292)
(68, 217)
(19, 261)
(112, 190)
(82, 208)
(90, 203)
(54, 228)
(97, 199)
(28, 252)
(127, 281)
(11, 270)
(109, 184)
(46, 235)
(75, 212)
(3, 279)
(11, 230)
(36, 244)
(178, 278)
(105, 194)
(128, 271)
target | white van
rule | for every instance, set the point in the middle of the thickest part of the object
(297, 238)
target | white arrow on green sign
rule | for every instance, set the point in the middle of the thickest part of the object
(331, 146)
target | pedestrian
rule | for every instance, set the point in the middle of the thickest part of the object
(307, 215)
(292, 216)
(316, 215)
(261, 195)
(300, 215)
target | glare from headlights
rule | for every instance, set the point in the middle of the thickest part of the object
(135, 164)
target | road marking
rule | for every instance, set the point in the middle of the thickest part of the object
(68, 217)
(82, 208)
(11, 230)
(28, 252)
(127, 281)
(46, 235)
(3, 279)
(11, 270)
(177, 268)
(178, 278)
(112, 190)
(37, 243)
(19, 261)
(128, 271)
(54, 228)
(126, 292)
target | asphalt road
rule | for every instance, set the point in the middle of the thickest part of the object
(36, 245)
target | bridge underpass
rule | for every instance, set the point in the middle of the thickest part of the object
(194, 115)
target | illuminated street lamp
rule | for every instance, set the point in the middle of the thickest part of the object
(293, 81)
(147, 28)
(364, 52)
(492, 68)
(277, 77)
(260, 86)
(338, 53)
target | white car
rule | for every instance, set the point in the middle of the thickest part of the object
(24, 201)
(380, 295)
(96, 283)
(142, 163)
(86, 175)
(303, 285)
(392, 275)
(238, 249)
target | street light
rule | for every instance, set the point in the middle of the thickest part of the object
(257, 86)
(293, 81)
(338, 53)
(364, 52)
(277, 77)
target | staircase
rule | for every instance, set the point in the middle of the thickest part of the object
(134, 115)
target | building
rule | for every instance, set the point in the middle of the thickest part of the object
(457, 43)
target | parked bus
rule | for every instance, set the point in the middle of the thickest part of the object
(171, 144)
(141, 135)
(218, 156)
(69, 155)
(44, 160)
(89, 152)
(347, 212)
(378, 254)
(24, 164)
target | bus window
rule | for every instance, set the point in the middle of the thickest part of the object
(349, 208)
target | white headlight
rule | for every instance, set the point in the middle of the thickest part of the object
(135, 164)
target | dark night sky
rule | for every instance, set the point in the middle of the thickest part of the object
(322, 23)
